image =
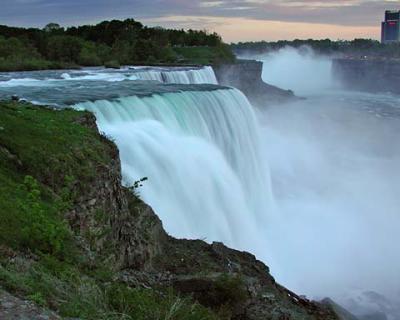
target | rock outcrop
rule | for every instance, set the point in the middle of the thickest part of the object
(15, 308)
(246, 75)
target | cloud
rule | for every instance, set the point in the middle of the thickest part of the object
(352, 13)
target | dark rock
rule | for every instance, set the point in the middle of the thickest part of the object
(14, 308)
(246, 75)
(341, 312)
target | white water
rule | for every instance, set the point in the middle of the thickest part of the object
(200, 152)
(203, 75)
(195, 76)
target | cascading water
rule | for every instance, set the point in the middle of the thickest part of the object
(200, 151)
(187, 76)
(204, 75)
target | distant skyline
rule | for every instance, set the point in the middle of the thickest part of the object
(235, 20)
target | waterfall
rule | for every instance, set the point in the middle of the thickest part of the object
(200, 152)
(185, 76)
(204, 75)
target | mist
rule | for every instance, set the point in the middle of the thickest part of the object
(297, 69)
(335, 175)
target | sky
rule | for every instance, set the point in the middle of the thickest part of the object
(235, 20)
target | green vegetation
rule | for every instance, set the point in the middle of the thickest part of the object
(67, 289)
(110, 43)
(48, 159)
(227, 292)
(356, 47)
(17, 55)
(206, 55)
(41, 174)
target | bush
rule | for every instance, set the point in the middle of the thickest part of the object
(113, 64)
(88, 56)
(205, 55)
(142, 304)
(230, 290)
(64, 48)
(39, 231)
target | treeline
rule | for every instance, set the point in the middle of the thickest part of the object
(356, 47)
(110, 43)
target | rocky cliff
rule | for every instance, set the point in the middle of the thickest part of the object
(115, 246)
(246, 75)
(368, 75)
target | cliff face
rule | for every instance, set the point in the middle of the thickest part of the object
(368, 75)
(150, 258)
(112, 225)
(246, 75)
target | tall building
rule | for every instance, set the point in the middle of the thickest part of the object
(391, 27)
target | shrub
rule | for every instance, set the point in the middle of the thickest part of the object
(88, 56)
(230, 290)
(40, 232)
(64, 48)
(113, 64)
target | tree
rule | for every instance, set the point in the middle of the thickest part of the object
(64, 48)
(50, 27)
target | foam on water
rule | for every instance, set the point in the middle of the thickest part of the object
(203, 75)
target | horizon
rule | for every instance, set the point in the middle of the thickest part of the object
(235, 21)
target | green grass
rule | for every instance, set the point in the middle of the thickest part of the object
(46, 160)
(52, 144)
(69, 291)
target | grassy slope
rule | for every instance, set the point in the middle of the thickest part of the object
(50, 147)
(43, 153)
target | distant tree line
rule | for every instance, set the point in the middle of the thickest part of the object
(355, 48)
(111, 43)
